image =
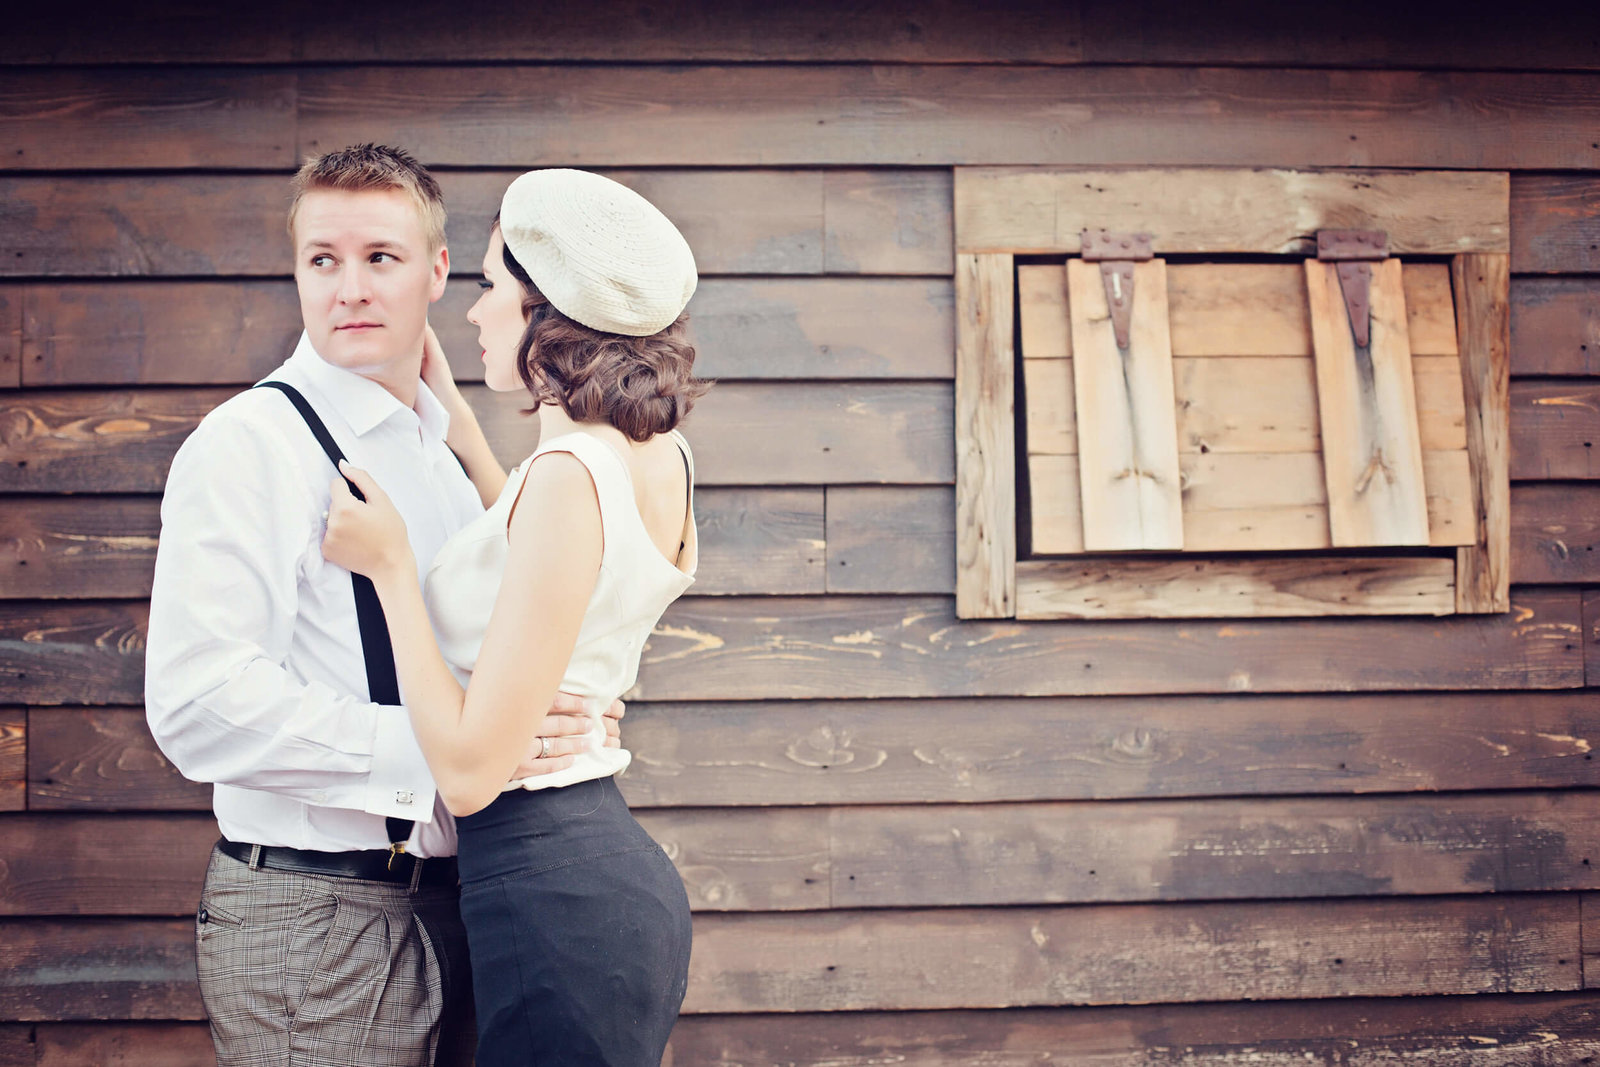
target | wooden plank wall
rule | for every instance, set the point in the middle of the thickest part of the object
(907, 838)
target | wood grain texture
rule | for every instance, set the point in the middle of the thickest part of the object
(1044, 209)
(920, 116)
(843, 961)
(156, 332)
(985, 442)
(1555, 222)
(1478, 1031)
(1591, 637)
(891, 539)
(13, 758)
(865, 960)
(1554, 428)
(1555, 326)
(741, 648)
(760, 541)
(887, 222)
(1483, 322)
(12, 299)
(78, 546)
(66, 119)
(1128, 477)
(73, 652)
(1148, 31)
(1006, 854)
(955, 751)
(1589, 908)
(54, 441)
(66, 864)
(1555, 534)
(65, 547)
(1233, 587)
(810, 859)
(87, 759)
(1367, 409)
(727, 648)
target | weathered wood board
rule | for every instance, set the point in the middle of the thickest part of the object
(986, 514)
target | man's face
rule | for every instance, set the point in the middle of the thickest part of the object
(366, 278)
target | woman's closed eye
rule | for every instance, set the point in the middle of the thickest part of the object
(484, 283)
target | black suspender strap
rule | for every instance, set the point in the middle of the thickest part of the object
(382, 683)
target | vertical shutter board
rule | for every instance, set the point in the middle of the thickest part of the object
(1234, 587)
(1430, 309)
(1482, 283)
(1055, 500)
(1127, 441)
(1371, 447)
(1052, 419)
(986, 541)
(1042, 300)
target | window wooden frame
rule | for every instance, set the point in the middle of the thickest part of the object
(1004, 212)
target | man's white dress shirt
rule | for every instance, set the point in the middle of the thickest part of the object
(254, 676)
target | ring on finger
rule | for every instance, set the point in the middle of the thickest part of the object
(544, 748)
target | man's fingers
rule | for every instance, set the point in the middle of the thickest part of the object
(563, 724)
(617, 710)
(567, 704)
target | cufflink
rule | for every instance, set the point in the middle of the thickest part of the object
(403, 796)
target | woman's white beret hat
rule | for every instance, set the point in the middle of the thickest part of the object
(601, 253)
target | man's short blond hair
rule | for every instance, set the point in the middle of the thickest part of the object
(374, 166)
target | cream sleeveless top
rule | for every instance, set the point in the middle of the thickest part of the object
(635, 585)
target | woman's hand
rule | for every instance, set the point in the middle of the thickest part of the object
(436, 372)
(367, 537)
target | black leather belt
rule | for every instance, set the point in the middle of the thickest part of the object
(373, 865)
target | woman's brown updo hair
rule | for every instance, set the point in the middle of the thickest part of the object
(641, 385)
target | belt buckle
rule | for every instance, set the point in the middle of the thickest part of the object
(396, 848)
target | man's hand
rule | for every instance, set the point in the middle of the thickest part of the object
(565, 727)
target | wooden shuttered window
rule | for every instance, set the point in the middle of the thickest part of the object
(1238, 453)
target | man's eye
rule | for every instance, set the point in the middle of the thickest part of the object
(379, 257)
(321, 260)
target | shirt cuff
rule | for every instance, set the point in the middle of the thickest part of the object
(400, 785)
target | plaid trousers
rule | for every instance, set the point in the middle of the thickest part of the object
(301, 970)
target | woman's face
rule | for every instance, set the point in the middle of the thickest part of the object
(499, 319)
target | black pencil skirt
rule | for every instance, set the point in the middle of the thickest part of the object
(578, 929)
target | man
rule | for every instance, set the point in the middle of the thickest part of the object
(328, 930)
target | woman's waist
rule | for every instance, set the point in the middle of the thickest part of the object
(531, 830)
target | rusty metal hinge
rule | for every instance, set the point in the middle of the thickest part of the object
(1117, 253)
(1353, 252)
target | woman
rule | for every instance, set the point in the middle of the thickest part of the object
(577, 922)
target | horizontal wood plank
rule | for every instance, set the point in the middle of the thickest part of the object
(1555, 430)
(888, 115)
(13, 758)
(65, 864)
(1234, 587)
(922, 751)
(891, 539)
(66, 547)
(940, 31)
(1472, 1031)
(152, 332)
(1555, 326)
(842, 961)
(103, 759)
(1046, 210)
(68, 119)
(11, 301)
(809, 859)
(1555, 533)
(742, 648)
(1218, 850)
(1555, 223)
(944, 958)
(892, 432)
(887, 222)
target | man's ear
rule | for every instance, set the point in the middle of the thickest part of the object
(441, 274)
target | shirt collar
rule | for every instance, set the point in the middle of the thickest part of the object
(362, 402)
